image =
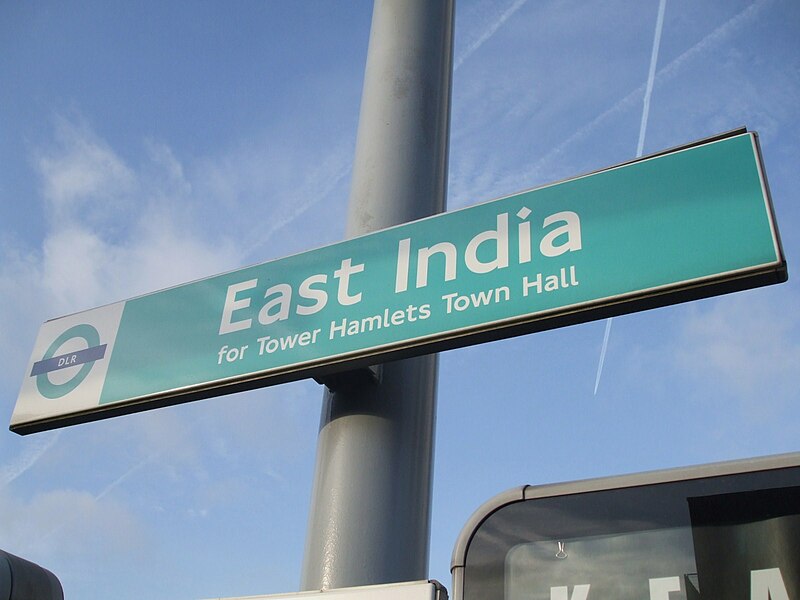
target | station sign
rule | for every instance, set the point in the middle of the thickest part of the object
(684, 224)
(727, 530)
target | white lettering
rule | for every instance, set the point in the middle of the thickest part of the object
(320, 297)
(483, 298)
(401, 275)
(343, 275)
(283, 302)
(230, 354)
(340, 329)
(528, 284)
(767, 584)
(524, 229)
(424, 254)
(579, 592)
(232, 304)
(571, 228)
(500, 237)
(268, 345)
(389, 318)
(488, 250)
(661, 587)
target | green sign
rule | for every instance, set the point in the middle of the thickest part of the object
(685, 224)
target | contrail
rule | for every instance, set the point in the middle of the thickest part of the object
(709, 40)
(489, 32)
(70, 518)
(670, 70)
(29, 457)
(715, 36)
(312, 199)
(651, 75)
(606, 335)
(663, 74)
(106, 490)
(345, 171)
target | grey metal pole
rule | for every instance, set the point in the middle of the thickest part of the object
(370, 508)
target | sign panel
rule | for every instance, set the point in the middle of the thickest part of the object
(689, 223)
(730, 530)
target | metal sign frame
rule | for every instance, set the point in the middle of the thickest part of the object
(157, 362)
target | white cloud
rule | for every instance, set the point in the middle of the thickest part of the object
(70, 525)
(157, 230)
(112, 232)
(28, 457)
(80, 167)
(166, 170)
(747, 342)
(74, 268)
(263, 186)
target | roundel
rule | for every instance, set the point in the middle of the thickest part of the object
(51, 390)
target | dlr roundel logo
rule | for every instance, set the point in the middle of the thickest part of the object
(80, 360)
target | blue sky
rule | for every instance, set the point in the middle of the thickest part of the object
(147, 144)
